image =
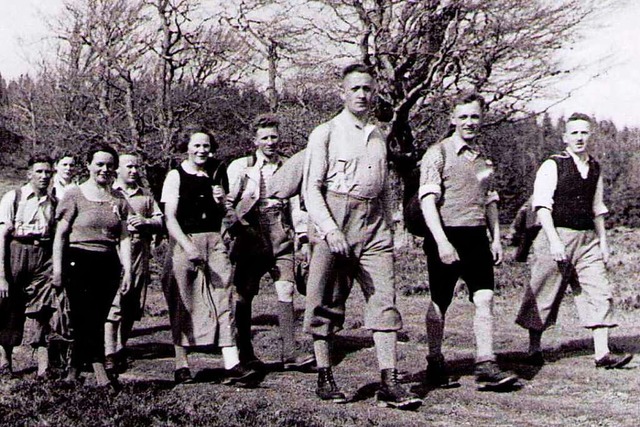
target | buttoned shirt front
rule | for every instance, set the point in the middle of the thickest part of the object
(461, 179)
(546, 182)
(344, 156)
(33, 216)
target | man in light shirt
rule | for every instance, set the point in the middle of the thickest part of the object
(267, 224)
(65, 169)
(346, 195)
(143, 224)
(27, 297)
(572, 247)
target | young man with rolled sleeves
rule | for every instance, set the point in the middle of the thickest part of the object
(267, 223)
(27, 296)
(347, 198)
(143, 224)
(461, 211)
(571, 249)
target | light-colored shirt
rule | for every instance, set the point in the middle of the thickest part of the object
(33, 216)
(546, 182)
(348, 157)
(142, 203)
(59, 187)
(238, 169)
(461, 179)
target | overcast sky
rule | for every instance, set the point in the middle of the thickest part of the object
(608, 88)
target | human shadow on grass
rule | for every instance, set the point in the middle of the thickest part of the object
(517, 360)
(150, 350)
(343, 344)
(140, 332)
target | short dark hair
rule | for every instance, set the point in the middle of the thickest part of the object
(39, 158)
(266, 121)
(103, 148)
(64, 154)
(356, 68)
(468, 98)
(191, 129)
(579, 116)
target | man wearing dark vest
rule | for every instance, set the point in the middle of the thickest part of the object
(27, 297)
(264, 235)
(572, 249)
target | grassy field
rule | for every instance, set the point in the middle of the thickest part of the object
(566, 391)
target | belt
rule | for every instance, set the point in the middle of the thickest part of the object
(33, 240)
(352, 196)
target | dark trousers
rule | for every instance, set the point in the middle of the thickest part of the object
(92, 280)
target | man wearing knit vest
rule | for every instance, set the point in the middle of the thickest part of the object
(460, 208)
(264, 242)
(572, 249)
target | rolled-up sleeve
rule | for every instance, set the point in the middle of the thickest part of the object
(599, 208)
(315, 172)
(6, 208)
(430, 176)
(545, 185)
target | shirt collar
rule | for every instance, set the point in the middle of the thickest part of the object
(577, 159)
(28, 192)
(125, 190)
(349, 119)
(461, 145)
(188, 168)
(261, 159)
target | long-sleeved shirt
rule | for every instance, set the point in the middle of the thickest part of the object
(348, 157)
(546, 182)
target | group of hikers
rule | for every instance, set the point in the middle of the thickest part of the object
(76, 256)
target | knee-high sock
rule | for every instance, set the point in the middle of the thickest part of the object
(243, 323)
(285, 318)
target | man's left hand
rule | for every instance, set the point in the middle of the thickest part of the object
(604, 248)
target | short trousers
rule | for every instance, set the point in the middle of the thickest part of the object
(475, 266)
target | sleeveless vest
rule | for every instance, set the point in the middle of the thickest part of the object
(197, 211)
(573, 198)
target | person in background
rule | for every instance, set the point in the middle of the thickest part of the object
(26, 293)
(65, 170)
(345, 188)
(267, 222)
(145, 220)
(572, 248)
(91, 249)
(197, 282)
(460, 208)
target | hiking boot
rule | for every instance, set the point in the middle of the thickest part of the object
(111, 364)
(327, 388)
(301, 362)
(392, 394)
(182, 376)
(490, 377)
(242, 375)
(614, 361)
(437, 375)
(534, 359)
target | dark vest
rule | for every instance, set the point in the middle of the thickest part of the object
(197, 211)
(573, 198)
